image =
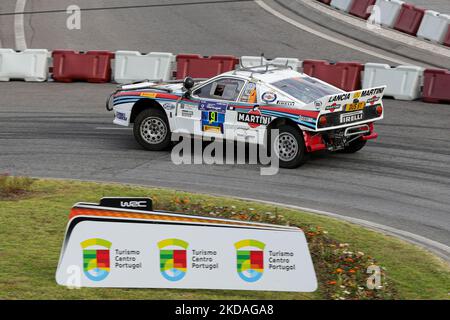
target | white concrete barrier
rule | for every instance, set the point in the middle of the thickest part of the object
(28, 65)
(434, 26)
(388, 11)
(132, 66)
(343, 5)
(403, 82)
(251, 61)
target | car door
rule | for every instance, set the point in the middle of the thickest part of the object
(207, 111)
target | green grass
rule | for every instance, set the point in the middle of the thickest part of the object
(32, 229)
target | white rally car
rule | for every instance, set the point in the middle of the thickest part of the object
(245, 104)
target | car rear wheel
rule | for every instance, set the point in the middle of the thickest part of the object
(289, 147)
(151, 130)
(354, 146)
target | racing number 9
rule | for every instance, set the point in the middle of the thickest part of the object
(212, 117)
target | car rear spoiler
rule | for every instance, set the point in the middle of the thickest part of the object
(336, 102)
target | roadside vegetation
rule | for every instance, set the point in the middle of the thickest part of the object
(11, 187)
(34, 215)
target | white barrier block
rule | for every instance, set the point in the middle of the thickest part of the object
(343, 5)
(252, 61)
(388, 10)
(403, 82)
(434, 26)
(132, 66)
(29, 65)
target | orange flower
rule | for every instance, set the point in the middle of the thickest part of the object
(352, 271)
(339, 270)
(331, 282)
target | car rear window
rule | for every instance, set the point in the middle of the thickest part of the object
(305, 89)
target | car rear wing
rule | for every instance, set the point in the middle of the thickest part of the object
(336, 102)
(347, 102)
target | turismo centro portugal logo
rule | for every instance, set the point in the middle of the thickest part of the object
(250, 259)
(96, 258)
(172, 258)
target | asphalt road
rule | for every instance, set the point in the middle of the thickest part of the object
(402, 180)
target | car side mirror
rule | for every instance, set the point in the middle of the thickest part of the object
(188, 84)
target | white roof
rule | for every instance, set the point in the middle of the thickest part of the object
(268, 76)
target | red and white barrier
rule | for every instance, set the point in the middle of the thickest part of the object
(361, 8)
(403, 82)
(434, 26)
(132, 66)
(197, 66)
(436, 87)
(409, 19)
(91, 66)
(28, 65)
(344, 75)
(389, 11)
(343, 5)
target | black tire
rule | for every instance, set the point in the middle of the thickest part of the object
(294, 152)
(354, 146)
(151, 130)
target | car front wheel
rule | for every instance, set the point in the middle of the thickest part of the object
(151, 130)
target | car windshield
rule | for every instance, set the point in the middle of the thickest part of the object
(305, 89)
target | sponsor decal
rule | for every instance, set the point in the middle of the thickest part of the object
(269, 97)
(133, 204)
(187, 113)
(172, 259)
(333, 107)
(250, 259)
(148, 94)
(339, 97)
(213, 106)
(254, 118)
(351, 117)
(121, 116)
(169, 106)
(285, 103)
(372, 92)
(306, 119)
(373, 100)
(215, 129)
(318, 105)
(357, 95)
(96, 262)
(187, 106)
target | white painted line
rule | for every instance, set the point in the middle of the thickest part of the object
(19, 29)
(384, 32)
(326, 36)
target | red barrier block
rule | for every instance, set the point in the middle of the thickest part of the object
(92, 66)
(436, 87)
(344, 75)
(409, 19)
(360, 8)
(197, 66)
(325, 1)
(447, 38)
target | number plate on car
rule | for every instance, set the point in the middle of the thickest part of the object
(351, 117)
(355, 106)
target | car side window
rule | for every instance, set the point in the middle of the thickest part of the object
(221, 89)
